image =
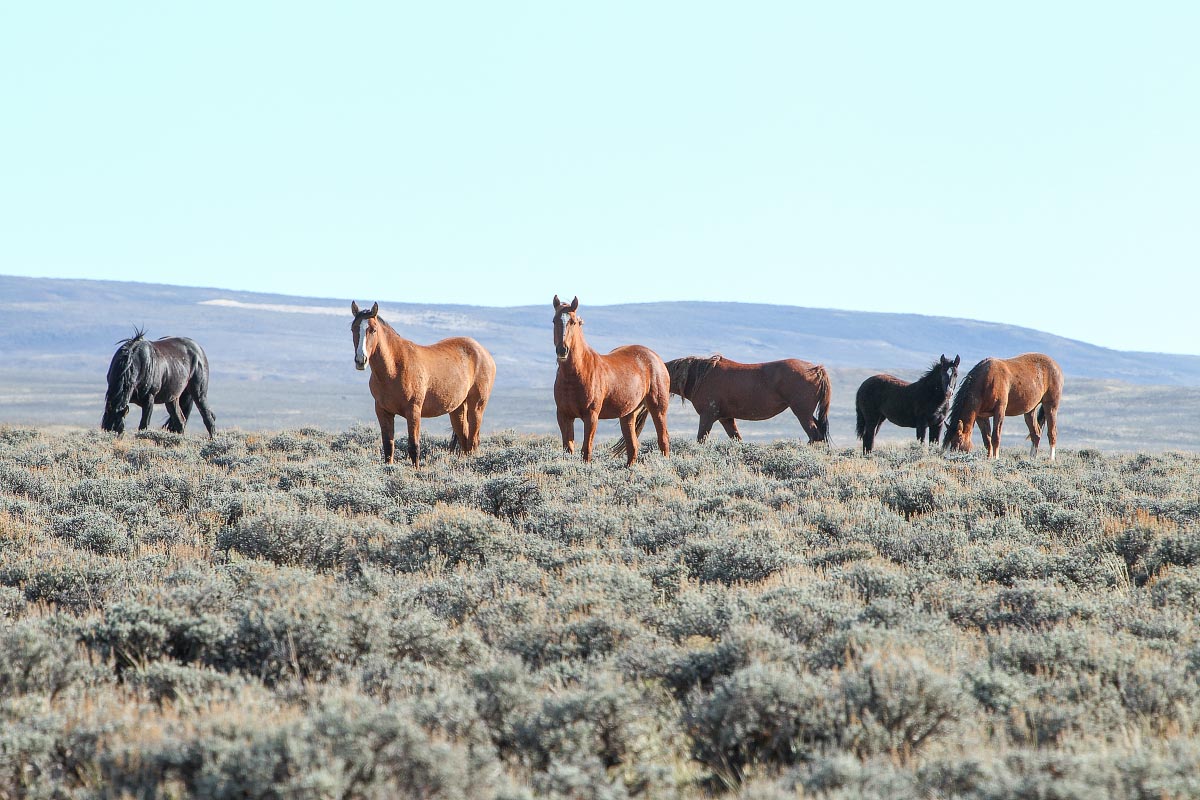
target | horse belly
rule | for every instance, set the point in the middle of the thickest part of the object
(753, 409)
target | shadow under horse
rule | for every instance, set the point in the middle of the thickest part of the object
(630, 384)
(172, 371)
(996, 388)
(723, 390)
(922, 404)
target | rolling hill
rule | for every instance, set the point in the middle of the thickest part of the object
(279, 360)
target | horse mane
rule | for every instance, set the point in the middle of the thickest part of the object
(686, 373)
(124, 363)
(960, 397)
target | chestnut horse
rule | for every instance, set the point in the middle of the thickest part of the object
(996, 388)
(629, 383)
(452, 377)
(722, 390)
(922, 404)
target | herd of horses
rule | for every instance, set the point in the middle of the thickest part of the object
(632, 383)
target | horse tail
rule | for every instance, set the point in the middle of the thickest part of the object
(1041, 414)
(824, 400)
(860, 422)
(640, 415)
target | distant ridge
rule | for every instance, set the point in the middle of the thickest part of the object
(67, 325)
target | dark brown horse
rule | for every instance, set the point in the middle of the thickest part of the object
(454, 377)
(922, 404)
(996, 388)
(172, 371)
(722, 390)
(630, 383)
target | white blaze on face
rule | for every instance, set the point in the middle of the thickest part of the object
(360, 354)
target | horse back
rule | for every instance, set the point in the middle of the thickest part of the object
(1019, 383)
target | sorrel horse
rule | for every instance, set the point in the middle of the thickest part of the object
(453, 376)
(922, 404)
(172, 371)
(723, 390)
(629, 383)
(996, 388)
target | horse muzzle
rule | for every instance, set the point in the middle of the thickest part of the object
(563, 353)
(360, 365)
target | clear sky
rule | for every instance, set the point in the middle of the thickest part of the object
(1030, 163)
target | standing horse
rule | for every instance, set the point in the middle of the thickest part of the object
(922, 404)
(453, 376)
(172, 371)
(996, 388)
(722, 390)
(630, 383)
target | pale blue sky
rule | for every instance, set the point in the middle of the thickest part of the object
(1036, 163)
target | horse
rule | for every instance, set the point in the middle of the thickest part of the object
(172, 371)
(723, 390)
(453, 376)
(630, 383)
(922, 404)
(996, 388)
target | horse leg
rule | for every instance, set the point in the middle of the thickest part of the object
(997, 423)
(629, 435)
(985, 430)
(706, 423)
(935, 433)
(809, 423)
(185, 406)
(921, 428)
(206, 414)
(387, 430)
(589, 433)
(1035, 433)
(476, 403)
(174, 417)
(414, 436)
(730, 426)
(1052, 428)
(458, 423)
(870, 432)
(147, 410)
(659, 417)
(566, 426)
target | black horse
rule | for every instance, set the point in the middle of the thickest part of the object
(172, 371)
(922, 404)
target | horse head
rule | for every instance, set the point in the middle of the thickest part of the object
(958, 436)
(568, 328)
(364, 331)
(122, 381)
(947, 374)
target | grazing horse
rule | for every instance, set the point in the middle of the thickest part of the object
(629, 383)
(922, 404)
(453, 376)
(172, 371)
(996, 388)
(722, 390)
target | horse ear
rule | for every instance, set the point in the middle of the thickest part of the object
(957, 359)
(354, 307)
(557, 303)
(375, 310)
(575, 304)
(944, 359)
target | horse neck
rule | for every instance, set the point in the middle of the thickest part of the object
(391, 351)
(581, 360)
(928, 387)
